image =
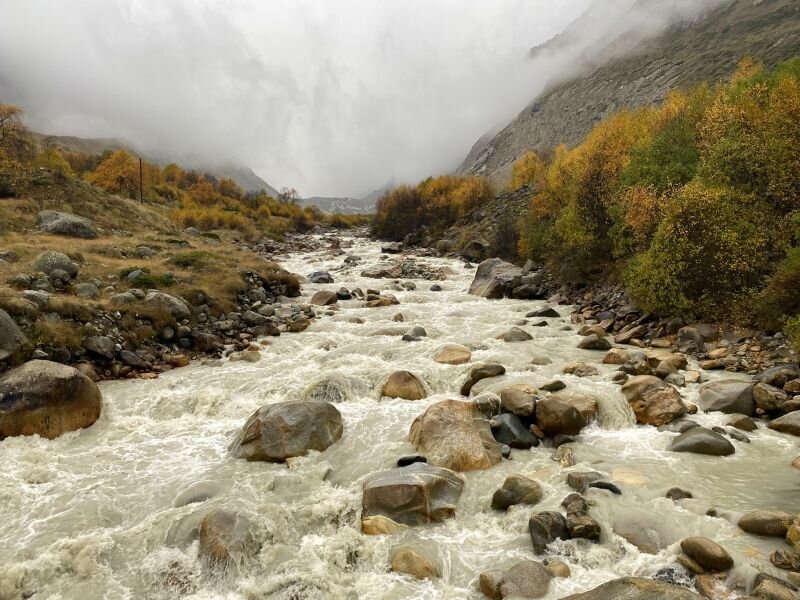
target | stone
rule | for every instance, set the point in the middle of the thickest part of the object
(87, 291)
(580, 369)
(594, 342)
(176, 307)
(12, 340)
(100, 345)
(526, 579)
(404, 461)
(557, 567)
(564, 456)
(793, 533)
(122, 299)
(581, 480)
(132, 359)
(408, 562)
(645, 539)
(517, 401)
(546, 312)
(554, 416)
(700, 440)
(728, 396)
(66, 224)
(677, 493)
(324, 298)
(276, 432)
(479, 372)
(653, 401)
(517, 489)
(769, 589)
(50, 260)
(545, 528)
(627, 336)
(769, 398)
(585, 404)
(489, 584)
(788, 560)
(495, 278)
(515, 334)
(452, 354)
(226, 538)
(742, 422)
(392, 248)
(707, 553)
(553, 386)
(635, 588)
(405, 385)
(788, 423)
(488, 404)
(779, 376)
(616, 356)
(418, 494)
(320, 277)
(455, 435)
(380, 525)
(475, 249)
(509, 430)
(690, 340)
(47, 399)
(766, 522)
(584, 527)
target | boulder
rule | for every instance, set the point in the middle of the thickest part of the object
(87, 291)
(509, 430)
(557, 567)
(584, 527)
(176, 307)
(658, 357)
(324, 298)
(279, 431)
(517, 489)
(226, 538)
(100, 345)
(408, 562)
(455, 435)
(580, 369)
(653, 401)
(779, 376)
(545, 311)
(545, 528)
(700, 440)
(392, 248)
(742, 422)
(728, 396)
(770, 589)
(585, 404)
(66, 224)
(789, 423)
(405, 385)
(489, 584)
(11, 337)
(320, 277)
(495, 278)
(766, 522)
(635, 588)
(526, 579)
(554, 416)
(769, 398)
(50, 261)
(616, 356)
(645, 539)
(517, 401)
(479, 372)
(475, 249)
(452, 354)
(47, 399)
(707, 553)
(380, 525)
(382, 272)
(594, 342)
(515, 334)
(414, 495)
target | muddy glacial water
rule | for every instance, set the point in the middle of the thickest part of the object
(102, 513)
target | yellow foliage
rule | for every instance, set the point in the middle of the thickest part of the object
(529, 170)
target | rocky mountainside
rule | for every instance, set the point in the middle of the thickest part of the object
(706, 48)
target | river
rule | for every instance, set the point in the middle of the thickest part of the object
(101, 513)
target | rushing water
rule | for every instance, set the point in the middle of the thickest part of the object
(101, 513)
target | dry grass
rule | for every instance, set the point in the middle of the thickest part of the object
(55, 334)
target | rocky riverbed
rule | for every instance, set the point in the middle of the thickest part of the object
(540, 456)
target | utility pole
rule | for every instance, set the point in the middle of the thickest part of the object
(141, 183)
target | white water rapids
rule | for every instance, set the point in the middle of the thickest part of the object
(91, 514)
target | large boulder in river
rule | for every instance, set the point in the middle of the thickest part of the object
(526, 579)
(766, 522)
(732, 396)
(788, 423)
(226, 538)
(653, 401)
(66, 224)
(554, 417)
(414, 495)
(11, 336)
(479, 372)
(495, 278)
(707, 553)
(635, 588)
(779, 376)
(517, 489)
(545, 528)
(700, 440)
(324, 298)
(279, 431)
(455, 435)
(452, 354)
(405, 385)
(47, 399)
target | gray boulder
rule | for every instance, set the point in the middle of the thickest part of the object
(11, 336)
(517, 489)
(788, 423)
(320, 277)
(495, 278)
(176, 307)
(101, 346)
(88, 291)
(635, 588)
(66, 224)
(50, 260)
(700, 440)
(728, 396)
(526, 579)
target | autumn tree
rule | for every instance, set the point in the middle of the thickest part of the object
(529, 170)
(119, 174)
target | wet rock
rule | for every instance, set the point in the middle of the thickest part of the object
(700, 440)
(564, 456)
(276, 432)
(766, 522)
(479, 372)
(12, 339)
(789, 423)
(584, 527)
(324, 298)
(707, 553)
(616, 356)
(488, 404)
(585, 404)
(226, 538)
(505, 451)
(645, 539)
(66, 224)
(779, 376)
(690, 340)
(455, 435)
(769, 398)
(793, 533)
(404, 461)
(742, 422)
(382, 272)
(557, 567)
(653, 401)
(392, 248)
(546, 312)
(554, 416)
(515, 334)
(526, 579)
(553, 386)
(414, 495)
(405, 385)
(517, 489)
(50, 261)
(788, 560)
(489, 584)
(677, 493)
(517, 401)
(580, 480)
(770, 589)
(47, 399)
(452, 354)
(728, 396)
(495, 278)
(691, 565)
(545, 528)
(418, 332)
(380, 525)
(408, 562)
(580, 369)
(635, 588)
(594, 342)
(509, 430)
(320, 277)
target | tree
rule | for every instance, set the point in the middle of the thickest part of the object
(14, 138)
(529, 169)
(288, 196)
(119, 174)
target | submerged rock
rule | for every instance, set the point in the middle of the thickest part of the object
(226, 538)
(408, 562)
(545, 528)
(526, 579)
(789, 423)
(635, 588)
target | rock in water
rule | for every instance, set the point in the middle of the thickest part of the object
(47, 399)
(495, 278)
(766, 522)
(594, 342)
(409, 562)
(324, 298)
(545, 528)
(526, 579)
(517, 489)
(707, 553)
(452, 354)
(480, 372)
(554, 416)
(11, 336)
(635, 588)
(509, 430)
(700, 440)
(405, 385)
(515, 334)
(455, 435)
(732, 396)
(653, 401)
(226, 538)
(414, 495)
(66, 224)
(276, 432)
(789, 423)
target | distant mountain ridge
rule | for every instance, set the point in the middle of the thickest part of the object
(624, 71)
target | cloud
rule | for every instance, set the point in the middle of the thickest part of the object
(333, 98)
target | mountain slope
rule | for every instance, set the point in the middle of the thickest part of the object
(706, 49)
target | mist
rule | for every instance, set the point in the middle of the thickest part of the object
(331, 98)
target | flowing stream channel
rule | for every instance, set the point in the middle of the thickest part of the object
(103, 513)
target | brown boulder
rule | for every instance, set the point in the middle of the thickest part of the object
(324, 298)
(226, 538)
(554, 416)
(408, 562)
(766, 522)
(452, 354)
(707, 553)
(405, 385)
(635, 588)
(653, 401)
